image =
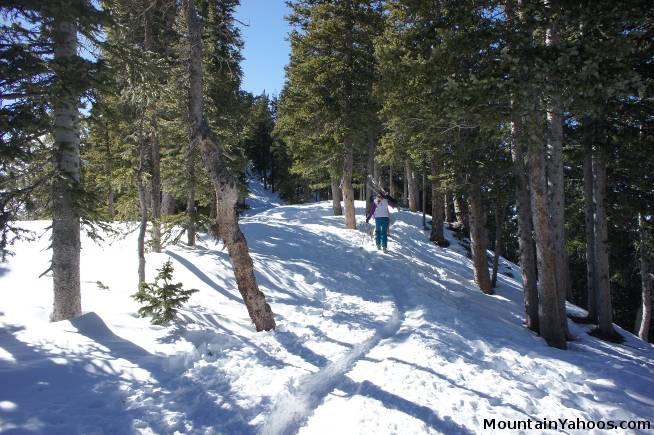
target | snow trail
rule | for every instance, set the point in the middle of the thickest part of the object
(293, 407)
(367, 342)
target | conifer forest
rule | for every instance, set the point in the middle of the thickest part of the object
(515, 136)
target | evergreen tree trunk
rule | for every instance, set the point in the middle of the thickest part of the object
(348, 157)
(551, 317)
(371, 170)
(412, 185)
(144, 215)
(391, 185)
(213, 212)
(646, 273)
(111, 211)
(437, 235)
(461, 213)
(449, 213)
(336, 197)
(556, 182)
(167, 204)
(525, 229)
(478, 237)
(405, 187)
(604, 308)
(589, 210)
(156, 188)
(499, 231)
(224, 184)
(190, 195)
(423, 206)
(348, 190)
(66, 161)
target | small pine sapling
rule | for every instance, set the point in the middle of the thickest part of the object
(162, 300)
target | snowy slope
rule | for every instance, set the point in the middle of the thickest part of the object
(366, 342)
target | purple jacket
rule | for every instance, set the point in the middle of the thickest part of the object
(371, 213)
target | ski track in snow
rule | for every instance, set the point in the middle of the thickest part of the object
(293, 407)
(366, 342)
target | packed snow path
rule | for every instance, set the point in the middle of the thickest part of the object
(366, 342)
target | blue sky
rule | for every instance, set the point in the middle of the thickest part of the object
(266, 48)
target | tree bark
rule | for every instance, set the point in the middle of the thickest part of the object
(478, 237)
(412, 185)
(499, 231)
(190, 195)
(66, 183)
(167, 204)
(144, 215)
(391, 185)
(461, 213)
(646, 273)
(525, 228)
(437, 234)
(156, 187)
(405, 187)
(348, 190)
(371, 170)
(348, 157)
(449, 213)
(224, 184)
(589, 211)
(109, 168)
(604, 308)
(551, 317)
(556, 182)
(336, 196)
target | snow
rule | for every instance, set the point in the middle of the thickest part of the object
(366, 342)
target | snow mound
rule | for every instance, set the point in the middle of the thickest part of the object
(366, 342)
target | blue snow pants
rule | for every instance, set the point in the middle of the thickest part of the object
(381, 231)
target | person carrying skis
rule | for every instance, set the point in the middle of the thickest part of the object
(380, 210)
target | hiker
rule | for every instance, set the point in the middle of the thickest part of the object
(380, 210)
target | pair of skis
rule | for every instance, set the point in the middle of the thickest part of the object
(374, 186)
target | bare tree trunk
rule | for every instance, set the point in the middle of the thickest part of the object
(156, 188)
(589, 209)
(424, 201)
(526, 241)
(646, 274)
(449, 213)
(336, 196)
(412, 185)
(461, 213)
(478, 238)
(437, 235)
(190, 195)
(551, 317)
(213, 212)
(555, 181)
(371, 170)
(348, 190)
(348, 157)
(110, 186)
(499, 231)
(167, 204)
(391, 185)
(144, 215)
(66, 161)
(405, 187)
(605, 310)
(224, 184)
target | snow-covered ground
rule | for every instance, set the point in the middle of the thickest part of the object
(365, 343)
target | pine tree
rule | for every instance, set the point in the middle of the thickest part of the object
(46, 86)
(327, 98)
(223, 180)
(162, 299)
